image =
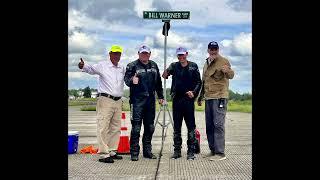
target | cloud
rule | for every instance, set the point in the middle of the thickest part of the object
(204, 12)
(74, 58)
(226, 43)
(94, 26)
(240, 5)
(81, 75)
(78, 21)
(161, 5)
(239, 52)
(241, 45)
(75, 75)
(124, 11)
(141, 5)
(149, 41)
(104, 10)
(173, 41)
(79, 42)
(150, 5)
(126, 15)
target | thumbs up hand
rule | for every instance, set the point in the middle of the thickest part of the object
(135, 79)
(81, 64)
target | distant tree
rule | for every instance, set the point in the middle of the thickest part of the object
(239, 97)
(87, 92)
(73, 92)
(246, 96)
(232, 95)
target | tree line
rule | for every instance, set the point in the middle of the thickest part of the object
(86, 92)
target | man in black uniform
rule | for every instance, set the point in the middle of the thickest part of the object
(186, 84)
(143, 78)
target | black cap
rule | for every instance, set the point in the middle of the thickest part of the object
(213, 44)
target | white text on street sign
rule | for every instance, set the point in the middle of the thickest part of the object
(166, 14)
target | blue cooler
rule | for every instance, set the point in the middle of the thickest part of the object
(73, 137)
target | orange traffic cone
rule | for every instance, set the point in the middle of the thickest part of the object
(124, 145)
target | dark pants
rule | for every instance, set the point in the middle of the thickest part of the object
(183, 108)
(215, 120)
(143, 110)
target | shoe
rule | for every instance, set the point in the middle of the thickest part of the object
(149, 156)
(134, 158)
(190, 156)
(116, 156)
(106, 160)
(210, 154)
(218, 157)
(176, 155)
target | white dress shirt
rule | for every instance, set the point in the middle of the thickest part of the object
(111, 77)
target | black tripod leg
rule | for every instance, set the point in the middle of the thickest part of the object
(157, 119)
(170, 117)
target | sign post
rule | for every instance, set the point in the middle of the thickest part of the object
(166, 16)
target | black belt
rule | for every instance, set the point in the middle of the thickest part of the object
(109, 96)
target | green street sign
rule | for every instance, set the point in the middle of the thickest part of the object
(166, 14)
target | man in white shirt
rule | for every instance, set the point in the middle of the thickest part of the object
(109, 104)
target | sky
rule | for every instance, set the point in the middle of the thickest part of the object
(95, 25)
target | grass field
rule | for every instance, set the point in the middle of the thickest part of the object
(83, 101)
(88, 104)
(240, 106)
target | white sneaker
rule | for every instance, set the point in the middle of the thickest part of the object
(210, 154)
(218, 157)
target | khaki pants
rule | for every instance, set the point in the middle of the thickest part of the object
(108, 124)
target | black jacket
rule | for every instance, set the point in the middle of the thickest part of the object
(191, 79)
(149, 79)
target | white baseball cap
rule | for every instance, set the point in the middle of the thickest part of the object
(181, 50)
(144, 48)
